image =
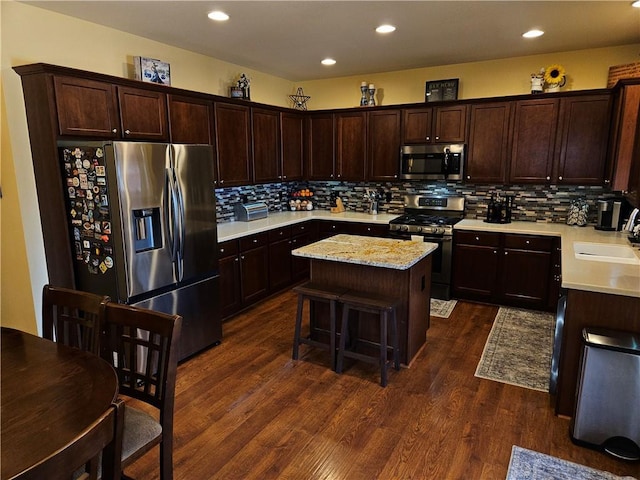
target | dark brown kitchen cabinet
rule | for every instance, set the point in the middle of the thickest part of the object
(143, 114)
(254, 267)
(582, 140)
(279, 258)
(475, 264)
(435, 125)
(229, 270)
(190, 120)
(525, 270)
(488, 143)
(384, 145)
(292, 146)
(86, 108)
(302, 234)
(351, 146)
(233, 144)
(266, 145)
(320, 146)
(533, 141)
(508, 269)
(623, 135)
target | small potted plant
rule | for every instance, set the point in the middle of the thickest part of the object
(554, 78)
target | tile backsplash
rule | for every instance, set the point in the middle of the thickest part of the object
(533, 203)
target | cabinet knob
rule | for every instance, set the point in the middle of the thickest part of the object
(237, 259)
(255, 240)
(527, 242)
(495, 251)
(506, 253)
(302, 227)
(437, 138)
(222, 250)
(477, 239)
(607, 181)
(468, 177)
(428, 138)
(242, 257)
(221, 182)
(548, 178)
(559, 178)
(331, 176)
(127, 132)
(395, 176)
(115, 130)
(284, 176)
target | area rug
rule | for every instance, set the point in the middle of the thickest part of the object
(519, 348)
(529, 465)
(442, 308)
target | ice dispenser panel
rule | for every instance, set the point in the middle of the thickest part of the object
(147, 230)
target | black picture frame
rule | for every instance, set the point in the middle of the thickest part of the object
(442, 90)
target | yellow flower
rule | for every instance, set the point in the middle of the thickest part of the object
(554, 74)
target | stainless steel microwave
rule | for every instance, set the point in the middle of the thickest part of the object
(432, 162)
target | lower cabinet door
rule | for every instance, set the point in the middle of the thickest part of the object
(254, 274)
(474, 271)
(279, 265)
(525, 277)
(230, 299)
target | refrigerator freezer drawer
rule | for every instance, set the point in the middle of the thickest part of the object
(198, 305)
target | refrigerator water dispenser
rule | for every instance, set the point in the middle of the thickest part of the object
(147, 229)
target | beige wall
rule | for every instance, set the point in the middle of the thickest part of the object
(31, 35)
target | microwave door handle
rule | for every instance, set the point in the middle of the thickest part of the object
(446, 163)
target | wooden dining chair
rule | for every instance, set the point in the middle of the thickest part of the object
(72, 317)
(101, 442)
(142, 345)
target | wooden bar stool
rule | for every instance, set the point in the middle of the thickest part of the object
(317, 293)
(384, 307)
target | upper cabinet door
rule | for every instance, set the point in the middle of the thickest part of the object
(143, 114)
(351, 146)
(417, 125)
(292, 146)
(86, 107)
(488, 143)
(384, 145)
(320, 146)
(233, 142)
(450, 124)
(583, 134)
(534, 135)
(190, 120)
(266, 145)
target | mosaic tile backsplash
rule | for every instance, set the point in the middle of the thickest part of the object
(533, 203)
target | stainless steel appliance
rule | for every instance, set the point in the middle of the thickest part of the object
(432, 162)
(608, 215)
(142, 221)
(246, 212)
(432, 218)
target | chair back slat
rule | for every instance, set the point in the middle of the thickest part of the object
(73, 317)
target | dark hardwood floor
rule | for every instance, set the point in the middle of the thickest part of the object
(245, 410)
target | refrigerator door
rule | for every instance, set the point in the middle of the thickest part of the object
(141, 210)
(196, 225)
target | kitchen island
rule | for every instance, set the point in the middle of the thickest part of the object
(382, 266)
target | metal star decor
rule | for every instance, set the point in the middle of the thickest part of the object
(299, 100)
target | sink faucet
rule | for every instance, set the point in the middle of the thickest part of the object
(372, 198)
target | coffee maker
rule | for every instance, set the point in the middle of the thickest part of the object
(608, 215)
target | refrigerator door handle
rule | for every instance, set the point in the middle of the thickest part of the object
(171, 214)
(181, 229)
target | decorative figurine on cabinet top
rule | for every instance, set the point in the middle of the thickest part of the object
(537, 82)
(299, 99)
(554, 78)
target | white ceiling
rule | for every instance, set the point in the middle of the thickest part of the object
(289, 39)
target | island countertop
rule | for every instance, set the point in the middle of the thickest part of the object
(361, 250)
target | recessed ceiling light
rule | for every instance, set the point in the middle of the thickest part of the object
(389, 28)
(636, 4)
(533, 33)
(219, 16)
(328, 61)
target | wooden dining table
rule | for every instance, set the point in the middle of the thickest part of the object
(49, 394)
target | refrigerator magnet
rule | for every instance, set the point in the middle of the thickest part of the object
(100, 170)
(103, 267)
(108, 261)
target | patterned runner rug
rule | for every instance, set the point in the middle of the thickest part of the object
(529, 465)
(442, 308)
(519, 348)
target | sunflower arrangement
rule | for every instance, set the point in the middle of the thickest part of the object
(555, 75)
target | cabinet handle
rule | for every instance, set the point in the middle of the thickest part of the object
(127, 132)
(115, 130)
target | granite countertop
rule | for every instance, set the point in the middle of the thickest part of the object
(377, 252)
(577, 274)
(233, 230)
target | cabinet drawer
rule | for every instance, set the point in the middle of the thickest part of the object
(486, 239)
(279, 233)
(528, 242)
(300, 228)
(247, 243)
(228, 248)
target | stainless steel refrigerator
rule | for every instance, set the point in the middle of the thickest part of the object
(142, 221)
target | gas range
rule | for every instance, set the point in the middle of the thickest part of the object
(429, 215)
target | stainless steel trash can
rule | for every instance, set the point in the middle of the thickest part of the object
(607, 409)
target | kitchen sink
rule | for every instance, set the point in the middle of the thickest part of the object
(603, 252)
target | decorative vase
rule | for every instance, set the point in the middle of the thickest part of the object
(552, 88)
(363, 94)
(372, 99)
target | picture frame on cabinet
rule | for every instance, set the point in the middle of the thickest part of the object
(152, 70)
(442, 90)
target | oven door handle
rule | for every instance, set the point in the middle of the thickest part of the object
(436, 239)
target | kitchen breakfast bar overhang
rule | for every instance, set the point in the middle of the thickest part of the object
(380, 266)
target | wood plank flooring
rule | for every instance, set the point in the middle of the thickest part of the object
(245, 410)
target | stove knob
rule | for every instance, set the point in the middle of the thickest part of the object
(439, 230)
(404, 228)
(419, 230)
